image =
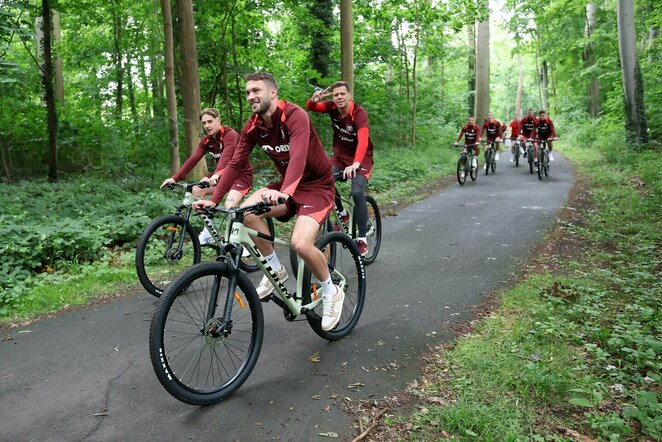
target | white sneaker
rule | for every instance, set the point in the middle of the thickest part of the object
(474, 164)
(521, 151)
(205, 237)
(496, 157)
(462, 174)
(512, 159)
(551, 157)
(485, 166)
(332, 309)
(265, 288)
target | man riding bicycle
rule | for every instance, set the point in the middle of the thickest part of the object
(352, 150)
(492, 131)
(527, 125)
(285, 133)
(471, 134)
(220, 143)
(544, 130)
(514, 135)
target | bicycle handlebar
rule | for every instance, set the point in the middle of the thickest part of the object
(457, 145)
(257, 209)
(188, 186)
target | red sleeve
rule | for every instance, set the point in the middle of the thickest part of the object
(230, 139)
(298, 125)
(237, 163)
(362, 133)
(320, 106)
(191, 161)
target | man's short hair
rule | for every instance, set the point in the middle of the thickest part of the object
(209, 111)
(341, 84)
(542, 112)
(262, 76)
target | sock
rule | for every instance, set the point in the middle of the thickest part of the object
(273, 262)
(328, 289)
(362, 238)
(343, 213)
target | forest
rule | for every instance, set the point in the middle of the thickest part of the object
(99, 101)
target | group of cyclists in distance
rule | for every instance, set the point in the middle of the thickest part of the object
(306, 188)
(531, 127)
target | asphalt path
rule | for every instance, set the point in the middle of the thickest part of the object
(86, 374)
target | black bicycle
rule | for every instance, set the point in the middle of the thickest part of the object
(490, 161)
(464, 163)
(170, 245)
(543, 159)
(516, 147)
(529, 152)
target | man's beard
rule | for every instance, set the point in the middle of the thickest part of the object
(263, 106)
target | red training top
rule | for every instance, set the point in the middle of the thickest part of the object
(492, 130)
(351, 133)
(527, 125)
(471, 134)
(544, 129)
(220, 146)
(514, 129)
(292, 144)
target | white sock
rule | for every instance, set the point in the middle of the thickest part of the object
(273, 262)
(343, 213)
(328, 289)
(362, 238)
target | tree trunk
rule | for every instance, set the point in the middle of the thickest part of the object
(589, 62)
(118, 56)
(413, 74)
(633, 88)
(471, 42)
(544, 84)
(169, 52)
(482, 70)
(190, 83)
(156, 80)
(347, 42)
(57, 63)
(237, 80)
(49, 92)
(520, 87)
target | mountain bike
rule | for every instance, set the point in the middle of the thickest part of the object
(543, 159)
(517, 147)
(464, 163)
(490, 162)
(529, 153)
(206, 332)
(170, 244)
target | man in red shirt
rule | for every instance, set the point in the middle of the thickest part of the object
(219, 143)
(285, 133)
(544, 130)
(492, 131)
(514, 135)
(352, 149)
(471, 134)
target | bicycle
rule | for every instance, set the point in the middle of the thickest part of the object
(529, 153)
(490, 162)
(170, 244)
(543, 159)
(516, 147)
(464, 164)
(206, 332)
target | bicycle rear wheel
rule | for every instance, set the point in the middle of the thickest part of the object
(461, 170)
(347, 271)
(159, 260)
(374, 233)
(194, 362)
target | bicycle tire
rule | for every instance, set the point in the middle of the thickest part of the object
(541, 157)
(461, 170)
(374, 235)
(246, 263)
(157, 265)
(348, 267)
(529, 156)
(325, 228)
(488, 160)
(516, 155)
(193, 366)
(473, 173)
(493, 166)
(546, 168)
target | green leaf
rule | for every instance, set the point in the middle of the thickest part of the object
(581, 402)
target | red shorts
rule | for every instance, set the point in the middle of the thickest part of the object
(243, 185)
(313, 200)
(365, 168)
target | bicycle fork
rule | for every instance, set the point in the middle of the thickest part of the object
(222, 326)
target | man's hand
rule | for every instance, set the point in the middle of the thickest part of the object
(212, 180)
(271, 197)
(201, 205)
(320, 95)
(350, 171)
(166, 182)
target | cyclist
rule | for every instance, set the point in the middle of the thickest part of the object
(285, 133)
(514, 134)
(352, 149)
(492, 131)
(527, 126)
(471, 134)
(544, 130)
(219, 142)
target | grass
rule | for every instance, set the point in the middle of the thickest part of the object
(571, 353)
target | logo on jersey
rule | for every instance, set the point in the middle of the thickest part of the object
(278, 149)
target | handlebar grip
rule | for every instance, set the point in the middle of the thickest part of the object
(281, 200)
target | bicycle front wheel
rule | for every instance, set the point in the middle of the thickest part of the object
(374, 233)
(461, 170)
(541, 160)
(546, 167)
(348, 272)
(473, 172)
(198, 360)
(159, 257)
(488, 161)
(529, 157)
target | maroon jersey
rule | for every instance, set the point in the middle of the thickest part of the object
(351, 140)
(514, 129)
(492, 129)
(544, 129)
(471, 134)
(292, 144)
(527, 125)
(220, 146)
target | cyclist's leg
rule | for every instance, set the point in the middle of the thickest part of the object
(303, 242)
(359, 186)
(335, 169)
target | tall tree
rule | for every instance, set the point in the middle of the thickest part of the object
(483, 68)
(118, 57)
(520, 86)
(190, 82)
(171, 98)
(633, 88)
(49, 94)
(320, 48)
(471, 43)
(589, 61)
(347, 42)
(544, 85)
